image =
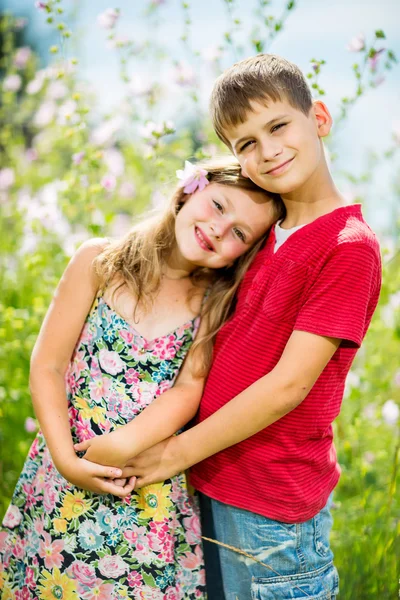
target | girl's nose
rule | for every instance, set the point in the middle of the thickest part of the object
(219, 227)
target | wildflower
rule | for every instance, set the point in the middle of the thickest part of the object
(22, 56)
(7, 178)
(357, 43)
(192, 178)
(109, 182)
(108, 18)
(12, 83)
(78, 157)
(30, 425)
(184, 74)
(373, 60)
(390, 412)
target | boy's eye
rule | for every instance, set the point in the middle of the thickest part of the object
(239, 233)
(218, 206)
(279, 126)
(246, 145)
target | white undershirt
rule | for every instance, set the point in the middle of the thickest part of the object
(281, 235)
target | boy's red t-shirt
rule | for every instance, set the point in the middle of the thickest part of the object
(325, 279)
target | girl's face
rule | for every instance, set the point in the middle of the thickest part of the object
(220, 223)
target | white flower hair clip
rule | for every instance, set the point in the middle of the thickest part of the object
(192, 178)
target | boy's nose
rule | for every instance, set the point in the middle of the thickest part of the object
(270, 149)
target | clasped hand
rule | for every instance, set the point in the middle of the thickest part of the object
(155, 464)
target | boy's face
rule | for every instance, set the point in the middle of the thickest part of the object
(278, 146)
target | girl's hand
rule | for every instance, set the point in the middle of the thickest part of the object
(108, 449)
(156, 464)
(96, 478)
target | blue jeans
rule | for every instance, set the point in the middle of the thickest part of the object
(297, 554)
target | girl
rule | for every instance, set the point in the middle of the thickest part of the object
(113, 341)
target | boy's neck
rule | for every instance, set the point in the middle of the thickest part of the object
(318, 197)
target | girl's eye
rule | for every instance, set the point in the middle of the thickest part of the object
(218, 206)
(246, 145)
(279, 126)
(239, 233)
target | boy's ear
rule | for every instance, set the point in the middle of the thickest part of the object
(322, 117)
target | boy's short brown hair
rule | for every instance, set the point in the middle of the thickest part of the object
(259, 78)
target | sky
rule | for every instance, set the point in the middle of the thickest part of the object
(315, 29)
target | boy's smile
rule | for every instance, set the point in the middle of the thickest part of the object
(279, 147)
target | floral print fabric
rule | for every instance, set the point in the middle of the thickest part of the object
(61, 542)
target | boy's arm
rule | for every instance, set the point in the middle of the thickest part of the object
(261, 404)
(162, 418)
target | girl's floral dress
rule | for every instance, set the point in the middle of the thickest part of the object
(61, 542)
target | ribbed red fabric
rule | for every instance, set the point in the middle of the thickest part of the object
(325, 279)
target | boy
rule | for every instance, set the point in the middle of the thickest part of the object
(262, 450)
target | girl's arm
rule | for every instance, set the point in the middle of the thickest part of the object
(254, 409)
(50, 358)
(162, 418)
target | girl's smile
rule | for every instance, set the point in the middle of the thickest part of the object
(215, 226)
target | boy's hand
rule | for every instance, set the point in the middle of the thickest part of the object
(156, 464)
(96, 478)
(108, 449)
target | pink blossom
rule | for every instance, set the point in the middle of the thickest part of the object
(84, 573)
(39, 480)
(192, 525)
(41, 5)
(22, 56)
(397, 378)
(19, 548)
(127, 190)
(50, 497)
(109, 182)
(31, 155)
(131, 376)
(166, 347)
(149, 593)
(23, 594)
(30, 578)
(111, 362)
(99, 388)
(108, 18)
(34, 449)
(13, 517)
(101, 591)
(357, 43)
(51, 552)
(390, 412)
(192, 560)
(83, 429)
(373, 61)
(31, 425)
(7, 178)
(192, 178)
(57, 90)
(112, 566)
(12, 83)
(172, 594)
(35, 85)
(183, 74)
(20, 23)
(115, 162)
(45, 114)
(3, 540)
(134, 579)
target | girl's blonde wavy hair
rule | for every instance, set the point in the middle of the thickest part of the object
(138, 259)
